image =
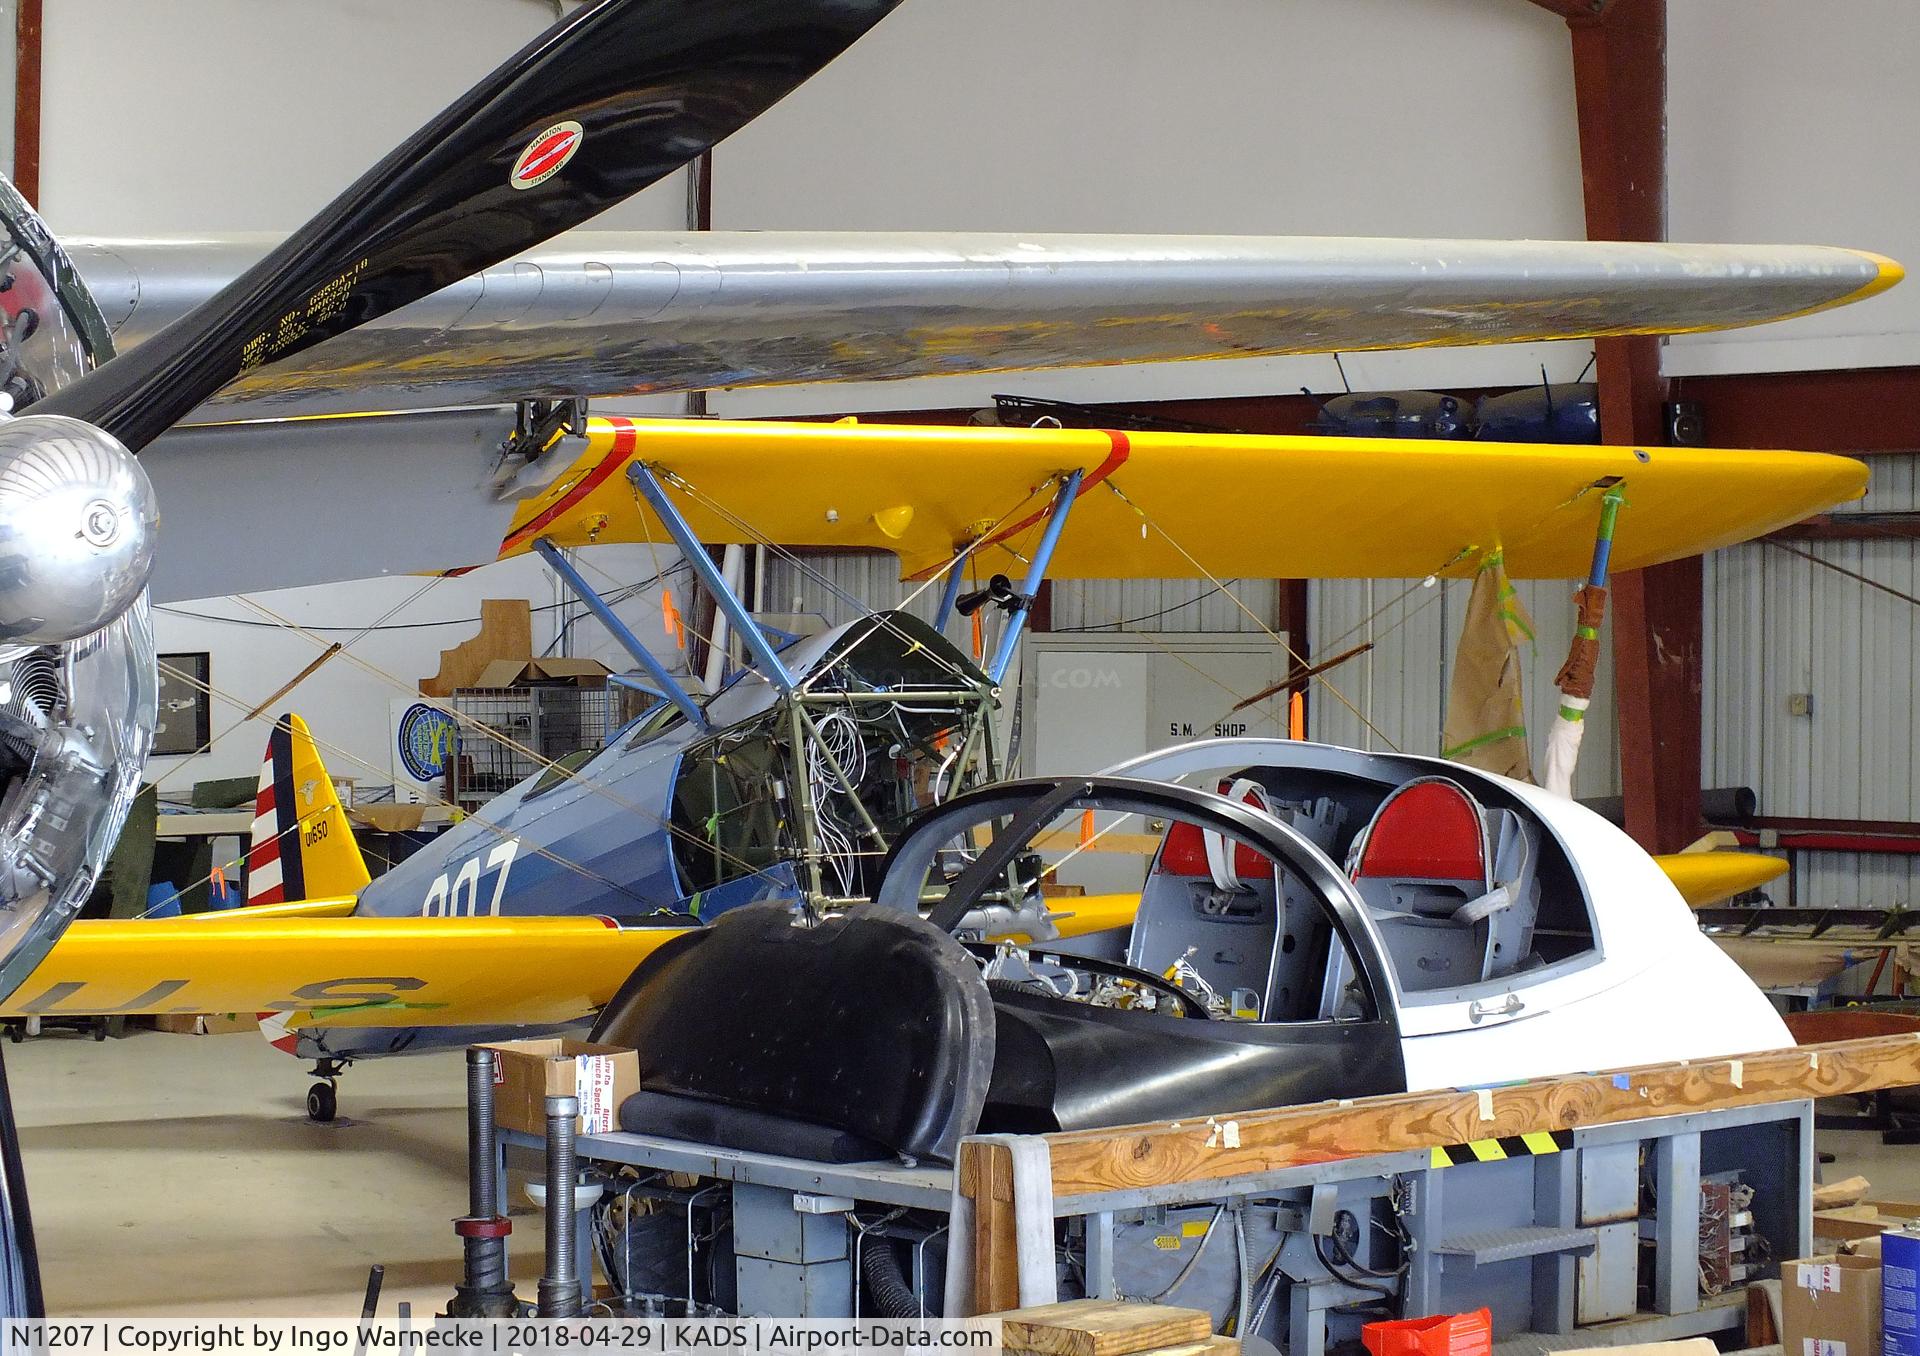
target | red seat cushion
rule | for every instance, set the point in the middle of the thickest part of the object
(1185, 851)
(1426, 831)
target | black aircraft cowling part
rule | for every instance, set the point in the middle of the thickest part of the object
(609, 100)
(1064, 1065)
(875, 1025)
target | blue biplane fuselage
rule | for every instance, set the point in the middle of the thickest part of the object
(647, 826)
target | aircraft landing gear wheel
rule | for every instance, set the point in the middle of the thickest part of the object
(322, 1103)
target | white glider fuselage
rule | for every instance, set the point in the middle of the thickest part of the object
(1598, 963)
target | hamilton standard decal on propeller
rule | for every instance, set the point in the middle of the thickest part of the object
(547, 154)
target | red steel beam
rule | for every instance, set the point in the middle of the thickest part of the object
(26, 101)
(1812, 840)
(1619, 77)
(1575, 10)
(1291, 620)
(1862, 410)
(1903, 526)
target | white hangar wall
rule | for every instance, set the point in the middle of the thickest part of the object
(250, 115)
(1362, 117)
(347, 702)
(833, 586)
(1788, 121)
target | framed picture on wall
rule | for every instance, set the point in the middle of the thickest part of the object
(186, 710)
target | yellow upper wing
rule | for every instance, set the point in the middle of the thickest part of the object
(1177, 505)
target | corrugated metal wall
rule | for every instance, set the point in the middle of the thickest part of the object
(1164, 605)
(1395, 695)
(808, 584)
(1778, 625)
(841, 587)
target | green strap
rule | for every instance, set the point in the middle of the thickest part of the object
(1479, 741)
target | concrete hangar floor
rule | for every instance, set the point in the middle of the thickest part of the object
(175, 1174)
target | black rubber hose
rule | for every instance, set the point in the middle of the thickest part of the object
(1319, 1250)
(1345, 1259)
(887, 1287)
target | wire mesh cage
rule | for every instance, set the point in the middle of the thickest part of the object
(507, 734)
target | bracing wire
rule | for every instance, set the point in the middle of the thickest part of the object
(467, 721)
(1250, 614)
(345, 755)
(808, 571)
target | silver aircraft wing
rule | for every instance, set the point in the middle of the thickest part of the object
(607, 314)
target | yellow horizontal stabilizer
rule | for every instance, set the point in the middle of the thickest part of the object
(1177, 505)
(1095, 913)
(1705, 878)
(342, 971)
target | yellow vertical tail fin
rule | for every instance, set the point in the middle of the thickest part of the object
(302, 844)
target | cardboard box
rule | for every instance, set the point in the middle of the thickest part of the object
(390, 817)
(541, 671)
(1830, 1306)
(1900, 1290)
(526, 1073)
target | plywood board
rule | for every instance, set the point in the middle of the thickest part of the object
(506, 632)
(1093, 1327)
(1163, 1153)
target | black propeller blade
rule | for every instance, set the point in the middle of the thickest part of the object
(603, 104)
